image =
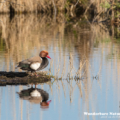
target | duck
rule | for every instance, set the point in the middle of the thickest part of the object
(36, 96)
(35, 63)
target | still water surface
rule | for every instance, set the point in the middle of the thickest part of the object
(85, 62)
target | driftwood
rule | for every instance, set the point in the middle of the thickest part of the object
(22, 78)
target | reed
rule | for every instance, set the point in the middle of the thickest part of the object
(32, 6)
(103, 11)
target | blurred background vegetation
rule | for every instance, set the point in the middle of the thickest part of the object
(96, 10)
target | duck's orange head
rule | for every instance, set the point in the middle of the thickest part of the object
(45, 104)
(44, 54)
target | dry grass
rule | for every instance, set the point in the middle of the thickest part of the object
(104, 10)
(31, 5)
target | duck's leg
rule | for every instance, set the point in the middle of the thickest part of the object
(32, 73)
(35, 85)
(36, 74)
(32, 85)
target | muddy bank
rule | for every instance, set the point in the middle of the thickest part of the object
(22, 78)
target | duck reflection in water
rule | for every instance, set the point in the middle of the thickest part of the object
(36, 96)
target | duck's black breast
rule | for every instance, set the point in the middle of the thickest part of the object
(44, 63)
(44, 94)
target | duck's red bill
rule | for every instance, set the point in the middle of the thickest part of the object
(49, 101)
(48, 56)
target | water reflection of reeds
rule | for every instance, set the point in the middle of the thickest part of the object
(23, 34)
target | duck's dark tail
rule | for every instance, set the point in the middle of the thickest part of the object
(17, 66)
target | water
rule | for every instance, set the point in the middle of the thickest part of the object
(85, 62)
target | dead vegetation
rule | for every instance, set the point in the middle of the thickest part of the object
(95, 10)
(44, 6)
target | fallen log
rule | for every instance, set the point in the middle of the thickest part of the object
(22, 78)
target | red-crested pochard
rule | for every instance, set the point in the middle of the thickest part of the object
(35, 63)
(36, 96)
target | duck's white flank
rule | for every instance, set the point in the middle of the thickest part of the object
(35, 66)
(35, 93)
